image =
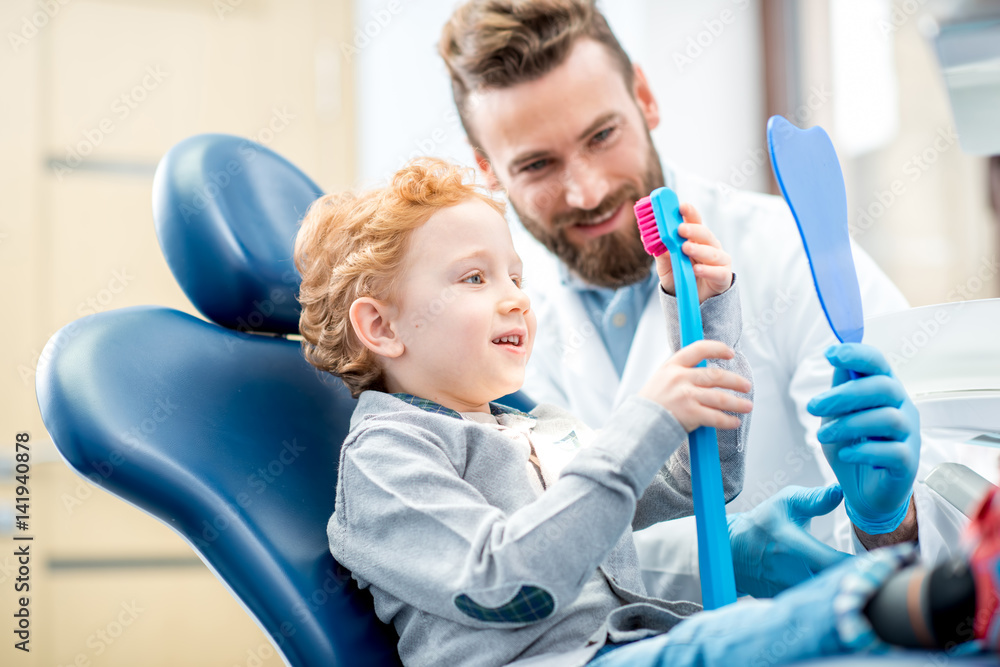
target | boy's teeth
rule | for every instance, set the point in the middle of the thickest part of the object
(508, 339)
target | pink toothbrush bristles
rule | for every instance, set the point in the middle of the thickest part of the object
(646, 220)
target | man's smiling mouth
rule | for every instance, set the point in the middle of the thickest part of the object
(599, 219)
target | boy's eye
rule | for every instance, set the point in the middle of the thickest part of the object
(475, 279)
(517, 280)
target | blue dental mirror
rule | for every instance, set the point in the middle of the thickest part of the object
(808, 172)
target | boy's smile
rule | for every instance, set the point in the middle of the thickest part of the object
(465, 326)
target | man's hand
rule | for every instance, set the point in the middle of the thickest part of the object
(871, 438)
(772, 548)
(713, 268)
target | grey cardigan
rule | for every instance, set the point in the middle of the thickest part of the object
(473, 566)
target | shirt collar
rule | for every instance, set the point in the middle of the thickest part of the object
(578, 284)
(496, 409)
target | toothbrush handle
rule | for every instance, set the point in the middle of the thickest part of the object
(715, 557)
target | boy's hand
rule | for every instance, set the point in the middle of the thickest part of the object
(713, 268)
(692, 394)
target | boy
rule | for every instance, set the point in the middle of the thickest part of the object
(489, 536)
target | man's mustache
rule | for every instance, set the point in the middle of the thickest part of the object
(610, 203)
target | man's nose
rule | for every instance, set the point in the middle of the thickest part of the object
(586, 185)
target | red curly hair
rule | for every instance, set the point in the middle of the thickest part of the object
(354, 245)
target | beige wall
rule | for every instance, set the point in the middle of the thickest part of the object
(918, 204)
(81, 239)
(937, 237)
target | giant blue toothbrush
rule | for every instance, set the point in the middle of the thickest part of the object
(658, 216)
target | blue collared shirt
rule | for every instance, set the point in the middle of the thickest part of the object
(614, 312)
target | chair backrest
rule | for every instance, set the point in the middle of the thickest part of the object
(232, 441)
(228, 437)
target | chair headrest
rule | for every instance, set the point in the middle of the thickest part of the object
(227, 210)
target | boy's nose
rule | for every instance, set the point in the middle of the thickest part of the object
(514, 299)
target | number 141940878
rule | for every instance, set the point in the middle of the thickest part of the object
(22, 470)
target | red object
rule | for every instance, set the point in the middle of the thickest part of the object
(984, 533)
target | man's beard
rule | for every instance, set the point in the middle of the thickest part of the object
(612, 260)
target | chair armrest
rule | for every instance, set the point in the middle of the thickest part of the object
(959, 485)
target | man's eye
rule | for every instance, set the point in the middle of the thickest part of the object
(475, 279)
(603, 135)
(537, 165)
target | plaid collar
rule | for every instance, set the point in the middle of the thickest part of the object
(436, 408)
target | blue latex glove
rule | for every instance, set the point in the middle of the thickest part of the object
(772, 550)
(822, 617)
(870, 436)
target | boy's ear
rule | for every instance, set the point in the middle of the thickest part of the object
(370, 319)
(486, 169)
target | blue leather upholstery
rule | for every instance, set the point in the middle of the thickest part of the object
(227, 211)
(230, 438)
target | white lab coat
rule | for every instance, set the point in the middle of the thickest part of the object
(785, 333)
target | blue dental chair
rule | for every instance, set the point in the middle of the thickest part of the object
(220, 428)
